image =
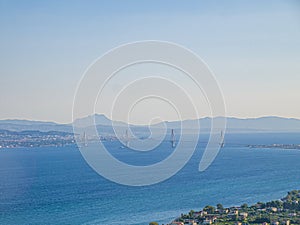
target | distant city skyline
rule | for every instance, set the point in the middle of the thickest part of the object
(253, 48)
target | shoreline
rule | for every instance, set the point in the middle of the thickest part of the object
(284, 211)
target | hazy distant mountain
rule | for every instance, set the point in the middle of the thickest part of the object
(270, 123)
(262, 124)
(34, 133)
(25, 122)
(22, 125)
(104, 125)
(97, 119)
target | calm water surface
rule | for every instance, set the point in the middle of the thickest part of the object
(56, 186)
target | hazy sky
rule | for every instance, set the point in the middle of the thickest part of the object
(253, 47)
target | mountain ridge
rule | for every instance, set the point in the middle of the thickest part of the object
(262, 124)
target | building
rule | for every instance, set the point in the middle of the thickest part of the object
(200, 213)
(243, 215)
(234, 212)
(273, 209)
(275, 223)
(176, 223)
(207, 221)
(224, 211)
(288, 222)
(189, 222)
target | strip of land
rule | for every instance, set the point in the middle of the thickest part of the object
(280, 146)
(285, 211)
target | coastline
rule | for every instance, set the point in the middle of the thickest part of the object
(284, 211)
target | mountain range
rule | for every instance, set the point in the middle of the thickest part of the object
(262, 124)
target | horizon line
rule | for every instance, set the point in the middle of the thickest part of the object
(205, 117)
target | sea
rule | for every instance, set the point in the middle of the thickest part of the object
(55, 185)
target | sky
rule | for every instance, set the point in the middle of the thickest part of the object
(252, 47)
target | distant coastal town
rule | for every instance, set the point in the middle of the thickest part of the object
(28, 139)
(285, 211)
(280, 146)
(36, 138)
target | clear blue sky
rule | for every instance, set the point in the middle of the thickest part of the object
(253, 47)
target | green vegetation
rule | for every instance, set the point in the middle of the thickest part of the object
(279, 212)
(153, 223)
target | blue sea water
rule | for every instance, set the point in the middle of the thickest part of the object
(54, 185)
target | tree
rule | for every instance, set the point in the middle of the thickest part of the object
(153, 223)
(209, 209)
(220, 206)
(244, 206)
(191, 213)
